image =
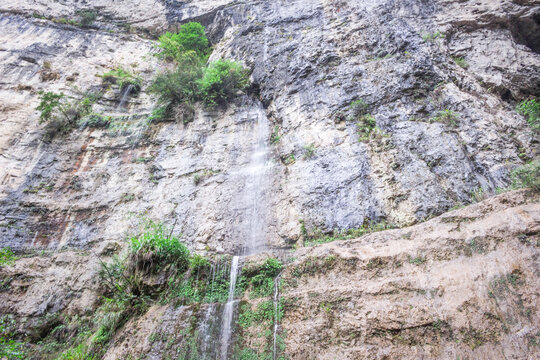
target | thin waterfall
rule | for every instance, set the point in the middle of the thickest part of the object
(251, 205)
(228, 311)
(256, 186)
(124, 97)
(276, 315)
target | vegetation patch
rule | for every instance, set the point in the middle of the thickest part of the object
(461, 62)
(7, 257)
(260, 279)
(527, 176)
(447, 117)
(193, 80)
(9, 347)
(317, 236)
(123, 79)
(62, 114)
(531, 109)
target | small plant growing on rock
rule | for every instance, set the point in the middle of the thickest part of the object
(221, 81)
(123, 79)
(461, 62)
(309, 151)
(527, 176)
(357, 109)
(288, 159)
(9, 348)
(274, 138)
(531, 109)
(86, 17)
(365, 126)
(191, 37)
(7, 257)
(447, 117)
(61, 114)
(417, 260)
(431, 37)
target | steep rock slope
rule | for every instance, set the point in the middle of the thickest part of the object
(309, 61)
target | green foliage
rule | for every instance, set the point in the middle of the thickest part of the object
(191, 37)
(62, 114)
(357, 109)
(274, 138)
(76, 353)
(191, 80)
(431, 37)
(180, 85)
(154, 250)
(461, 62)
(527, 176)
(86, 17)
(158, 114)
(289, 159)
(198, 263)
(317, 237)
(417, 260)
(123, 79)
(221, 81)
(50, 103)
(365, 126)
(261, 278)
(7, 257)
(309, 151)
(95, 120)
(9, 348)
(531, 109)
(447, 117)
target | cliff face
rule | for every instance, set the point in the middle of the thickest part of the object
(441, 80)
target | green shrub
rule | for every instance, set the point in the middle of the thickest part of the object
(191, 37)
(179, 85)
(221, 81)
(446, 116)
(158, 114)
(9, 348)
(461, 62)
(94, 120)
(531, 109)
(192, 80)
(155, 250)
(365, 126)
(309, 151)
(261, 278)
(61, 114)
(7, 257)
(50, 103)
(275, 137)
(123, 79)
(86, 17)
(431, 37)
(76, 353)
(527, 176)
(357, 109)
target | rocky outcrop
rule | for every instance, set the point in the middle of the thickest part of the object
(461, 285)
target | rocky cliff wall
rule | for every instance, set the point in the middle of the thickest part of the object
(309, 60)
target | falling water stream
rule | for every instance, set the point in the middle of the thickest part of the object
(276, 316)
(216, 327)
(124, 97)
(228, 310)
(253, 217)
